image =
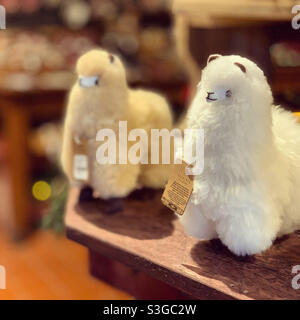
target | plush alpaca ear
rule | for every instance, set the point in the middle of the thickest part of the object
(213, 57)
(241, 66)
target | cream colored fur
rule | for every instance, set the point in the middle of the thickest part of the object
(103, 106)
(248, 193)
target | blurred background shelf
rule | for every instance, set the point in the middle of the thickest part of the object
(19, 111)
(200, 12)
(145, 242)
(286, 79)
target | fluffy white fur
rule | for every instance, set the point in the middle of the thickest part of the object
(248, 193)
(102, 106)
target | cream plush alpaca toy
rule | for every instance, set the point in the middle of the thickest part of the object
(99, 99)
(248, 192)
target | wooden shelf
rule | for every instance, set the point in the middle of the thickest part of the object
(147, 237)
(212, 12)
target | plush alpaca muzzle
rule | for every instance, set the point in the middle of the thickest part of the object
(88, 82)
(219, 94)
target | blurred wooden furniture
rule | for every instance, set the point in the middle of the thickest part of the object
(144, 251)
(203, 27)
(286, 79)
(218, 12)
(19, 109)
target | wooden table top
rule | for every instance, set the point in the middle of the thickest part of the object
(149, 238)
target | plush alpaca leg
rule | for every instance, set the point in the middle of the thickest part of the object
(247, 229)
(196, 224)
(114, 180)
(114, 205)
(86, 194)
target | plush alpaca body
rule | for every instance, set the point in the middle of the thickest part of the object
(248, 193)
(100, 99)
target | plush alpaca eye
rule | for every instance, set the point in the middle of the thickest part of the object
(228, 93)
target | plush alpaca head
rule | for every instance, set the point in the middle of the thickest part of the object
(234, 84)
(233, 104)
(101, 85)
(98, 68)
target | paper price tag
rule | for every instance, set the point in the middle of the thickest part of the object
(178, 189)
(81, 171)
(80, 160)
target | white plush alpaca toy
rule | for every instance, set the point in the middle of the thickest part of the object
(98, 100)
(248, 192)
